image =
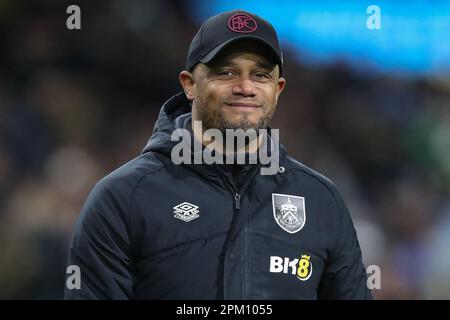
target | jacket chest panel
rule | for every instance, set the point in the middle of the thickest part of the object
(178, 213)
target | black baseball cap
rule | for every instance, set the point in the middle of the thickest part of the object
(228, 27)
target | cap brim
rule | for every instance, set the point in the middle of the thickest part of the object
(210, 56)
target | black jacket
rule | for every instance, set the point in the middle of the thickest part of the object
(155, 230)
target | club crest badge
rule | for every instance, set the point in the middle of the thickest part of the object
(289, 212)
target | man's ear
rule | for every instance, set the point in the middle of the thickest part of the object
(280, 87)
(187, 82)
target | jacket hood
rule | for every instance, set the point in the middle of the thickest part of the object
(172, 109)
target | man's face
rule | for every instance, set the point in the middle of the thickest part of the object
(238, 89)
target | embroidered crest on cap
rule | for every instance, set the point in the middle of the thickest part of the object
(242, 23)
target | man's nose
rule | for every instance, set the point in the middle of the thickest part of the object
(244, 87)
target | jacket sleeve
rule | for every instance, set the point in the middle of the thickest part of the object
(100, 249)
(344, 275)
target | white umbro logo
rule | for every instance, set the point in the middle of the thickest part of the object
(186, 211)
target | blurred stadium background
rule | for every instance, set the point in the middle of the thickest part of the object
(368, 108)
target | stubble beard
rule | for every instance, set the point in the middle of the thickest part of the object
(213, 118)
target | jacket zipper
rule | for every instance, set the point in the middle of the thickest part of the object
(236, 195)
(237, 201)
(237, 206)
(234, 192)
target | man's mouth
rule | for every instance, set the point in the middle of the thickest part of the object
(244, 106)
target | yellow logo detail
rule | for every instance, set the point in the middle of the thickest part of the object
(304, 269)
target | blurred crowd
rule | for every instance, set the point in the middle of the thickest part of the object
(75, 105)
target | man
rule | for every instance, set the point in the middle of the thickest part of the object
(156, 229)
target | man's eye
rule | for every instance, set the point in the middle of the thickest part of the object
(225, 73)
(262, 75)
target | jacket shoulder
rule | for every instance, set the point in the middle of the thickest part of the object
(117, 188)
(134, 170)
(314, 177)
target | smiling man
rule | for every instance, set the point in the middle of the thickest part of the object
(238, 89)
(156, 229)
